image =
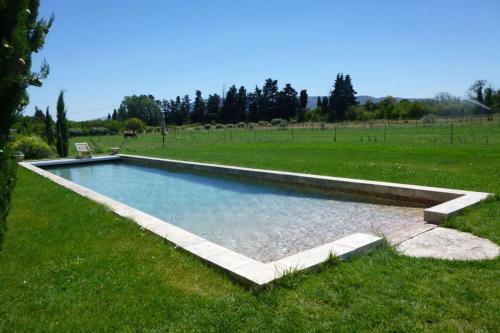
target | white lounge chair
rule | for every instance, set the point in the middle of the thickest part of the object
(83, 150)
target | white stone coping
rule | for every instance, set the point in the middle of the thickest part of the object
(243, 268)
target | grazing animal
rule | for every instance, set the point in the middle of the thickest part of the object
(130, 134)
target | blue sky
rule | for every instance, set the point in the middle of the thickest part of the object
(100, 51)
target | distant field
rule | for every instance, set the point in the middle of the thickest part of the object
(69, 264)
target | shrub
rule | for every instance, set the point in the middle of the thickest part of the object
(251, 125)
(263, 123)
(7, 181)
(279, 123)
(207, 126)
(219, 126)
(75, 132)
(429, 119)
(32, 147)
(240, 125)
(134, 124)
(99, 131)
(230, 125)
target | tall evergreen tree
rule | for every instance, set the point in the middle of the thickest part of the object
(108, 117)
(287, 102)
(303, 98)
(49, 134)
(318, 102)
(324, 105)
(199, 109)
(21, 34)
(350, 93)
(241, 104)
(114, 116)
(229, 107)
(213, 107)
(185, 110)
(255, 105)
(62, 137)
(269, 95)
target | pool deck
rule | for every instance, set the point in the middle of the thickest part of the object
(257, 274)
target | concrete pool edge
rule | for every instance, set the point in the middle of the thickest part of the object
(243, 268)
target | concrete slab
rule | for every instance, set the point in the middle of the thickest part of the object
(444, 243)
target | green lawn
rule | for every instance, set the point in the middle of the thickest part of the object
(68, 264)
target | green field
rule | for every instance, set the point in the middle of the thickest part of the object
(69, 264)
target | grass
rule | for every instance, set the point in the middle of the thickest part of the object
(68, 264)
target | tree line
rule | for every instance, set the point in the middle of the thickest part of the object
(237, 105)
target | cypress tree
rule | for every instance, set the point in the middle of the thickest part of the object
(185, 110)
(229, 106)
(255, 105)
(303, 98)
(108, 117)
(241, 104)
(213, 107)
(49, 135)
(199, 108)
(114, 116)
(318, 102)
(62, 137)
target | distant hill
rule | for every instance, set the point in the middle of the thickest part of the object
(312, 100)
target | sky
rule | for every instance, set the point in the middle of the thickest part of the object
(101, 51)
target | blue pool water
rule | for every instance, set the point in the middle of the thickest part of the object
(263, 222)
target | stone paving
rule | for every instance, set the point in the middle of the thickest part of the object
(444, 243)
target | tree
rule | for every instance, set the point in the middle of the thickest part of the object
(269, 94)
(318, 102)
(143, 107)
(39, 115)
(255, 105)
(229, 106)
(114, 116)
(416, 110)
(185, 110)
(21, 34)
(241, 104)
(213, 107)
(342, 97)
(134, 124)
(324, 105)
(108, 117)
(476, 90)
(488, 97)
(62, 137)
(49, 135)
(303, 98)
(287, 102)
(199, 109)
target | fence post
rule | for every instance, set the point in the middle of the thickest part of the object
(335, 134)
(451, 134)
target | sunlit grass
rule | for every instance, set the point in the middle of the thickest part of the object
(69, 264)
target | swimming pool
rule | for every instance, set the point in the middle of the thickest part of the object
(255, 224)
(261, 221)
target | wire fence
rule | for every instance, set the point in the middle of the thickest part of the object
(456, 134)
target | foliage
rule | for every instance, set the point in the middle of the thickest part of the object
(429, 119)
(144, 107)
(32, 146)
(199, 109)
(49, 133)
(7, 181)
(62, 135)
(134, 124)
(21, 34)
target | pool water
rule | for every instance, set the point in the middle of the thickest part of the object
(263, 222)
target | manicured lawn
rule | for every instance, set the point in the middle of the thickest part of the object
(68, 264)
